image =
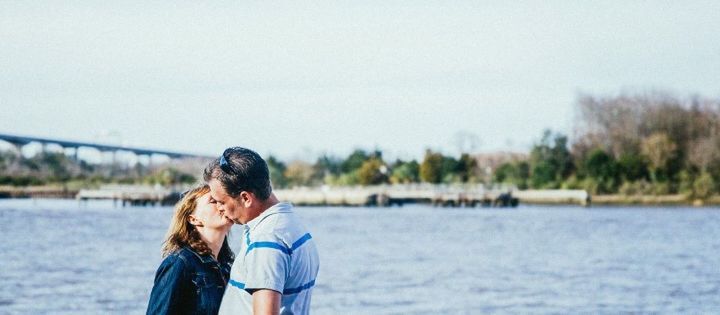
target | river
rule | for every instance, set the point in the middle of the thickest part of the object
(65, 257)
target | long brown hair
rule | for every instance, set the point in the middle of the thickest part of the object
(181, 233)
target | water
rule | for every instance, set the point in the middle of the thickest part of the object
(61, 257)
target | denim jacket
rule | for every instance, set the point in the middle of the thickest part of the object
(188, 283)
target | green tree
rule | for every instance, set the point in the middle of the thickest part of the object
(355, 160)
(687, 181)
(53, 166)
(405, 172)
(516, 173)
(449, 170)
(277, 172)
(373, 172)
(170, 176)
(550, 161)
(431, 168)
(327, 166)
(523, 168)
(659, 149)
(543, 175)
(633, 167)
(299, 173)
(602, 167)
(505, 173)
(562, 157)
(703, 186)
(466, 168)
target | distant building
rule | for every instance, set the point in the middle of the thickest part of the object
(488, 162)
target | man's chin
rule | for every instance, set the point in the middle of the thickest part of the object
(235, 221)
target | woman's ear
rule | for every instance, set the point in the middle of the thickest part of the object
(194, 221)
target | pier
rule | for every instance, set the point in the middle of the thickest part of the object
(398, 195)
(132, 195)
(381, 196)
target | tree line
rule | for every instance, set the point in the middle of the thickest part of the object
(629, 144)
(48, 168)
(649, 144)
(365, 168)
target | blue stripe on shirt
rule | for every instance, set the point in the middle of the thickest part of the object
(268, 245)
(301, 241)
(299, 289)
(277, 246)
(237, 284)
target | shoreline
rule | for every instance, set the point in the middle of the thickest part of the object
(525, 197)
(654, 200)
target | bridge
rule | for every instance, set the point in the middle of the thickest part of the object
(20, 141)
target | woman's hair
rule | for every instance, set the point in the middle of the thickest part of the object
(181, 233)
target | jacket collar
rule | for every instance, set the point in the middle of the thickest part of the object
(225, 254)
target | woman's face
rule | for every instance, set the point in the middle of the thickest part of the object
(208, 214)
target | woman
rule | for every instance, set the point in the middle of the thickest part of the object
(192, 277)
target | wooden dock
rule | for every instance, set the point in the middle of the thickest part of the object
(389, 195)
(132, 195)
(381, 196)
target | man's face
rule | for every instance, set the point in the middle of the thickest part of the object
(230, 207)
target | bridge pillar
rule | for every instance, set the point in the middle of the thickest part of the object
(18, 149)
(73, 154)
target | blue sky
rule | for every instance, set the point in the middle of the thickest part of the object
(297, 79)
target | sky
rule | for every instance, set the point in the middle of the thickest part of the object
(298, 79)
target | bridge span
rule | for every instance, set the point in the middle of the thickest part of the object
(20, 141)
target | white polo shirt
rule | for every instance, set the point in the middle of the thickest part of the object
(277, 253)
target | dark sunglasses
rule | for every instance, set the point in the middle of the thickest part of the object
(224, 165)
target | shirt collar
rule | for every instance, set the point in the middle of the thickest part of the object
(280, 207)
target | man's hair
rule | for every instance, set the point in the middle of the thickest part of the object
(239, 169)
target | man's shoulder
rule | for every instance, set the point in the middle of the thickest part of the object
(277, 218)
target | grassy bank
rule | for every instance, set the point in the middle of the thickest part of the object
(654, 200)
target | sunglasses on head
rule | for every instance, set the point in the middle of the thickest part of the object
(224, 165)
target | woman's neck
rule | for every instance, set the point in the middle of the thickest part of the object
(214, 239)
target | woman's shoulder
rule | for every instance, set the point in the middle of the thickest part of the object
(189, 256)
(186, 253)
(182, 256)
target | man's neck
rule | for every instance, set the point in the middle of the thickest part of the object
(264, 205)
(268, 203)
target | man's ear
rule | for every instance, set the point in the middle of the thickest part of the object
(246, 198)
(194, 221)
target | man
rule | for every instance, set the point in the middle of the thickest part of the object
(275, 270)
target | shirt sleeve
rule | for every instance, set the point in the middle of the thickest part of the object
(267, 262)
(167, 292)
